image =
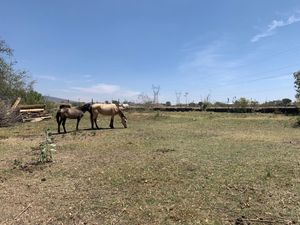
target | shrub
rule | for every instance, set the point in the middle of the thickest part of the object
(297, 124)
(47, 148)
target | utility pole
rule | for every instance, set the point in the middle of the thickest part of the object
(178, 96)
(186, 97)
(156, 90)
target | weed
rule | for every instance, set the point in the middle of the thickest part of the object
(47, 147)
(297, 124)
(17, 162)
(157, 115)
(268, 173)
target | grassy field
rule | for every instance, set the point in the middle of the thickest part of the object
(166, 168)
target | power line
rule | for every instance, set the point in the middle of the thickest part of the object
(260, 60)
(267, 77)
(280, 68)
(257, 79)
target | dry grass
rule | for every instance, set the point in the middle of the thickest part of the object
(166, 168)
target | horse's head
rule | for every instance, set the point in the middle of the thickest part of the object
(123, 118)
(124, 121)
(86, 107)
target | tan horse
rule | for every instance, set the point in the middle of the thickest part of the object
(108, 110)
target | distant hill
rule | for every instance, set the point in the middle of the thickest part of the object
(56, 100)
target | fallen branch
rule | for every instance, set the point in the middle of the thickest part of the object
(261, 220)
(24, 210)
(264, 221)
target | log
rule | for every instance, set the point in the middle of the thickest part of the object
(31, 110)
(38, 119)
(36, 106)
(41, 119)
(16, 103)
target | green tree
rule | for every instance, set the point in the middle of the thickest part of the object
(192, 104)
(33, 97)
(13, 83)
(297, 83)
(286, 101)
(242, 102)
(117, 102)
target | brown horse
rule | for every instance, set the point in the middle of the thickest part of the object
(72, 113)
(108, 110)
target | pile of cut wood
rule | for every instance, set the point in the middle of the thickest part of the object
(8, 115)
(33, 113)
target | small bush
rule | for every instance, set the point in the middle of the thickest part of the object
(159, 115)
(297, 124)
(47, 148)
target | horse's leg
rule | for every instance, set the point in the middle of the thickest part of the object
(92, 120)
(111, 125)
(95, 115)
(78, 120)
(58, 125)
(64, 123)
(58, 120)
(95, 120)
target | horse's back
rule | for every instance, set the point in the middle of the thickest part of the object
(71, 113)
(105, 109)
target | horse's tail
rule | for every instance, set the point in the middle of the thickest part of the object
(58, 116)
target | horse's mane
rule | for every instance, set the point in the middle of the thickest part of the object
(62, 106)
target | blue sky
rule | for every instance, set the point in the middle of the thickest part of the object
(116, 49)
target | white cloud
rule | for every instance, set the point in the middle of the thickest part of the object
(102, 92)
(47, 77)
(99, 89)
(274, 25)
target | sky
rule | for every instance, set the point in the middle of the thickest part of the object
(118, 49)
